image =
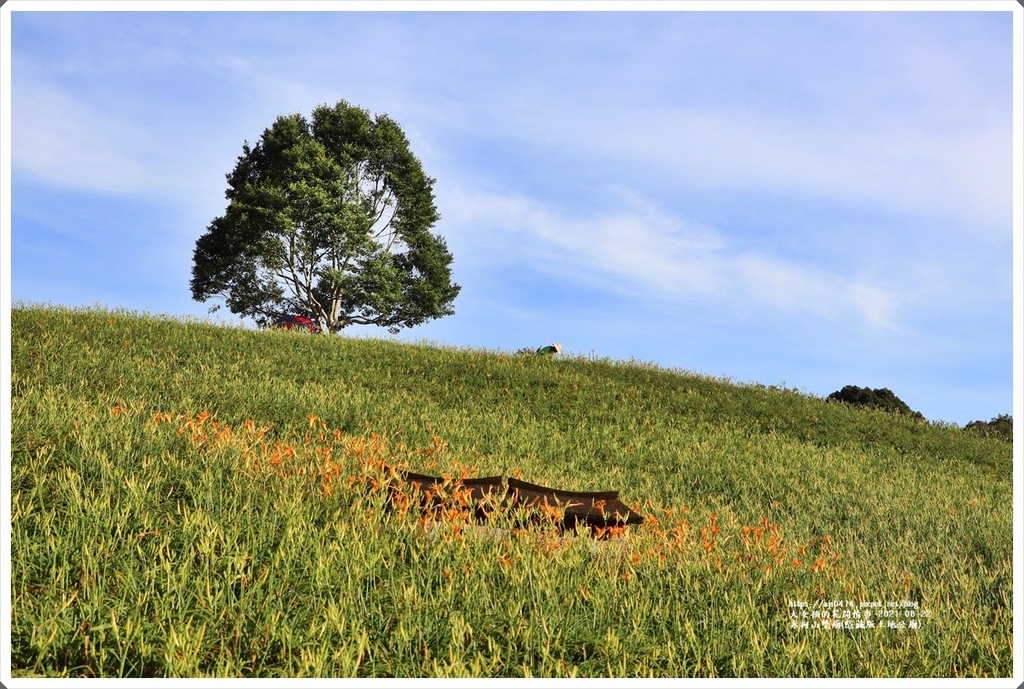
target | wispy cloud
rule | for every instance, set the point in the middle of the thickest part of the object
(868, 111)
(62, 141)
(641, 251)
(901, 166)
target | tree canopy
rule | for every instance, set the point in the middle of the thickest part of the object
(879, 398)
(1000, 427)
(329, 218)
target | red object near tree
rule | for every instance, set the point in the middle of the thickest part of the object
(290, 322)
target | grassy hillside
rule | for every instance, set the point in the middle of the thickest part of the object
(185, 502)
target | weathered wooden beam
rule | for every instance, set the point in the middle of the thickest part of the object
(600, 509)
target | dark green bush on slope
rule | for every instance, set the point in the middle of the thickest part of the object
(999, 427)
(880, 398)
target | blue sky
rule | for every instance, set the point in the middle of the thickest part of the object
(811, 199)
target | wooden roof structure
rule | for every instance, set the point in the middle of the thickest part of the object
(570, 509)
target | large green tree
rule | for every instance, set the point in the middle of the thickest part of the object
(331, 218)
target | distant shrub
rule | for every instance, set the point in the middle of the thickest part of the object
(999, 427)
(880, 398)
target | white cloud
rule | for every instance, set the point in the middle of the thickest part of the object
(887, 113)
(86, 143)
(906, 167)
(876, 306)
(639, 250)
(62, 141)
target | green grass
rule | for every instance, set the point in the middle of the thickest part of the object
(190, 500)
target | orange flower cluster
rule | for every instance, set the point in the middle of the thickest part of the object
(759, 546)
(333, 460)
